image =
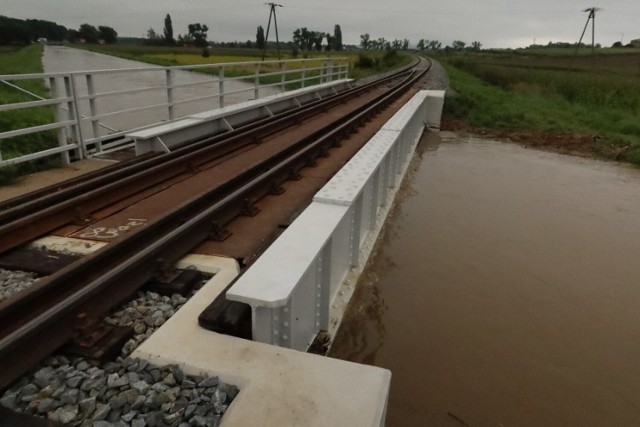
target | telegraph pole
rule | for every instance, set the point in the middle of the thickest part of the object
(272, 12)
(592, 17)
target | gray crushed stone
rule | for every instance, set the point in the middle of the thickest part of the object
(12, 282)
(127, 392)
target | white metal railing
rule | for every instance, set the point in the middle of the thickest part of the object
(93, 110)
(293, 285)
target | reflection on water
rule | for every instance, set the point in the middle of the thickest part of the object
(58, 59)
(506, 291)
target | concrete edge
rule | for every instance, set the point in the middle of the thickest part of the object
(278, 386)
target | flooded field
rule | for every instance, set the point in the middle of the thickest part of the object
(506, 291)
(65, 59)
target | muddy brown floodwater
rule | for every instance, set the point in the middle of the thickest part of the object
(506, 291)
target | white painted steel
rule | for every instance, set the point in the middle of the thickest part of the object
(86, 140)
(209, 122)
(293, 285)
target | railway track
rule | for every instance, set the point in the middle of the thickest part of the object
(37, 321)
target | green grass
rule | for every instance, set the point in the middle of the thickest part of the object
(598, 97)
(16, 60)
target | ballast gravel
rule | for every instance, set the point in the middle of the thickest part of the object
(12, 282)
(127, 392)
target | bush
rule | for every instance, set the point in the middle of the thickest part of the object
(205, 52)
(365, 61)
(390, 58)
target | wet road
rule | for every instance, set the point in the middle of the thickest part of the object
(506, 291)
(65, 59)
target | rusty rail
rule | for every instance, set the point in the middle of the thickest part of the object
(31, 217)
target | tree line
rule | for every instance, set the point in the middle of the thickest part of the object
(196, 35)
(19, 31)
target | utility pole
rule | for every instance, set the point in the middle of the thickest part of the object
(592, 17)
(272, 12)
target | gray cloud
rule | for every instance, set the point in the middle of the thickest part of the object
(495, 23)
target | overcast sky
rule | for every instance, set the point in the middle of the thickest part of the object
(494, 23)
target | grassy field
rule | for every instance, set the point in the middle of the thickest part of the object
(15, 60)
(169, 56)
(582, 104)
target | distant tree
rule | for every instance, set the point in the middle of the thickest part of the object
(318, 36)
(458, 45)
(421, 44)
(45, 29)
(168, 31)
(476, 46)
(330, 44)
(434, 45)
(108, 34)
(184, 40)
(248, 44)
(396, 44)
(72, 35)
(305, 39)
(89, 33)
(260, 38)
(337, 38)
(365, 41)
(152, 35)
(405, 44)
(198, 33)
(617, 44)
(14, 31)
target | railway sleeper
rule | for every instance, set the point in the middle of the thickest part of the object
(227, 317)
(99, 342)
(181, 283)
(40, 262)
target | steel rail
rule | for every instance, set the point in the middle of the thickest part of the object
(27, 221)
(31, 199)
(90, 287)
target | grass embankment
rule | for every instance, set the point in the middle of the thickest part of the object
(583, 105)
(17, 60)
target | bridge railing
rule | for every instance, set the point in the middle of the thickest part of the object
(93, 110)
(298, 286)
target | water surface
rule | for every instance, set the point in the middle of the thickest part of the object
(506, 291)
(66, 59)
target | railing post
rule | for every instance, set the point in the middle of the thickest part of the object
(169, 78)
(330, 70)
(57, 111)
(72, 106)
(256, 83)
(304, 73)
(283, 77)
(95, 127)
(323, 72)
(221, 85)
